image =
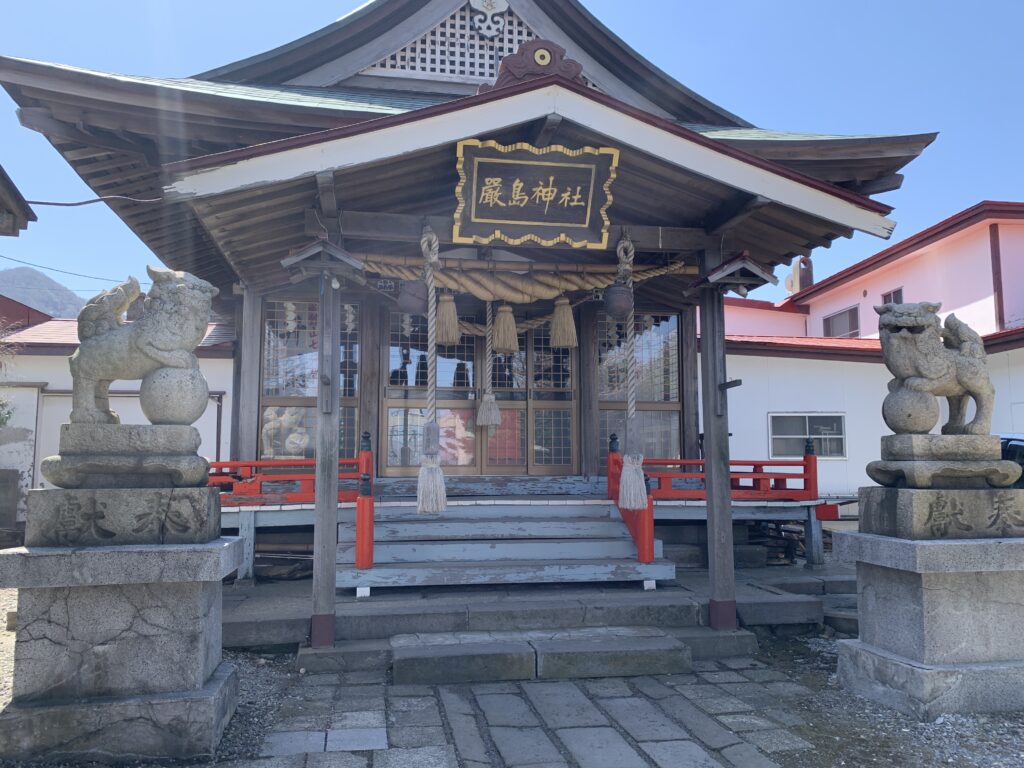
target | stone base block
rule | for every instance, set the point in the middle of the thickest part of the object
(106, 517)
(926, 691)
(947, 473)
(127, 456)
(182, 725)
(917, 513)
(463, 663)
(611, 657)
(89, 642)
(941, 448)
(937, 556)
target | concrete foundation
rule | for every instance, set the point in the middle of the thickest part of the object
(117, 654)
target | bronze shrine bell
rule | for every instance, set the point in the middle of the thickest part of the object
(618, 300)
(412, 297)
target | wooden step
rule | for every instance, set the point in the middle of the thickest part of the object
(507, 528)
(479, 550)
(495, 509)
(504, 572)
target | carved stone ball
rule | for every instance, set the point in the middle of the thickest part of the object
(908, 411)
(174, 395)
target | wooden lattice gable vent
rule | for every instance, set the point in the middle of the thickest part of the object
(468, 46)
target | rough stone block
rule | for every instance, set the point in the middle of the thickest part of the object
(463, 663)
(939, 556)
(345, 656)
(181, 725)
(941, 448)
(129, 564)
(911, 513)
(116, 640)
(610, 657)
(707, 643)
(942, 618)
(107, 517)
(926, 691)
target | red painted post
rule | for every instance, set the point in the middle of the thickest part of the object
(645, 532)
(810, 471)
(614, 468)
(364, 524)
(365, 457)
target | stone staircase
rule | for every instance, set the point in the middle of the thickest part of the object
(498, 541)
(451, 635)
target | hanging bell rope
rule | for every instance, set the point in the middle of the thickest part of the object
(632, 488)
(431, 496)
(447, 321)
(488, 415)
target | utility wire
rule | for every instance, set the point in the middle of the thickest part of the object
(95, 200)
(62, 271)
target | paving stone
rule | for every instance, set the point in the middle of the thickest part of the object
(697, 723)
(322, 679)
(317, 692)
(410, 690)
(506, 709)
(746, 756)
(350, 692)
(418, 757)
(642, 720)
(600, 748)
(679, 754)
(788, 689)
(417, 736)
(607, 687)
(456, 702)
(356, 739)
(763, 675)
(307, 723)
(651, 687)
(359, 705)
(741, 662)
(745, 722)
(413, 710)
(776, 741)
(480, 688)
(292, 743)
(364, 677)
(359, 719)
(336, 760)
(705, 665)
(287, 761)
(563, 705)
(752, 693)
(524, 746)
(297, 708)
(783, 717)
(722, 677)
(712, 699)
(674, 680)
(467, 738)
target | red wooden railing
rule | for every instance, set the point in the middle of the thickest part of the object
(757, 480)
(242, 483)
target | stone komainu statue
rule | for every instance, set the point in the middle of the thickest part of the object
(944, 360)
(174, 320)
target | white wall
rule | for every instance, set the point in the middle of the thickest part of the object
(751, 321)
(957, 272)
(45, 409)
(1011, 249)
(793, 385)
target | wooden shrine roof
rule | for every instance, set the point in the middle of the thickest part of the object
(15, 213)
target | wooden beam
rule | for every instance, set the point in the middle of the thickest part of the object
(590, 425)
(546, 133)
(407, 228)
(689, 387)
(721, 573)
(248, 394)
(883, 184)
(39, 119)
(738, 211)
(325, 521)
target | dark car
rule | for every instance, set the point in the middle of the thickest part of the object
(1013, 450)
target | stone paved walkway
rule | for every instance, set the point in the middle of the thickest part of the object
(731, 713)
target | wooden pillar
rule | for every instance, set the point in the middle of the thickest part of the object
(372, 327)
(325, 520)
(247, 395)
(590, 426)
(688, 377)
(715, 411)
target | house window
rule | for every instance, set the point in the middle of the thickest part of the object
(788, 433)
(893, 297)
(845, 324)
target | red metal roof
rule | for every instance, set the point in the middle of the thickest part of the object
(64, 333)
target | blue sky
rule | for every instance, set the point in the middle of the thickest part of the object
(874, 66)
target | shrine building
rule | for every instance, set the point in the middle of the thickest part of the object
(471, 240)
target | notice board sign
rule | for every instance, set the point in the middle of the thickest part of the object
(524, 194)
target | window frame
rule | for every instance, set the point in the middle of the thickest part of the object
(806, 414)
(890, 293)
(855, 308)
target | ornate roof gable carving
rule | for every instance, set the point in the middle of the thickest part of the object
(537, 58)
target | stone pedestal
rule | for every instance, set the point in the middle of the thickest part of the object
(940, 580)
(118, 646)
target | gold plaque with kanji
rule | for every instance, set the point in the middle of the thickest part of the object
(521, 194)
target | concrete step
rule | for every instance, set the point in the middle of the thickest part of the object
(470, 657)
(504, 572)
(841, 613)
(503, 509)
(496, 550)
(707, 643)
(421, 529)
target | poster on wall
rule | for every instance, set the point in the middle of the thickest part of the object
(520, 194)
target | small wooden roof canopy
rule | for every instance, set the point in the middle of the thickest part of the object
(15, 213)
(689, 168)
